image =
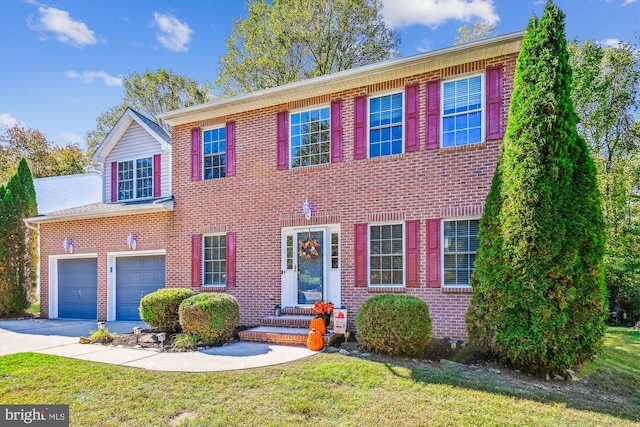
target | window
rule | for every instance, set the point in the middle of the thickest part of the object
(142, 185)
(385, 125)
(462, 111)
(335, 250)
(215, 155)
(215, 260)
(460, 247)
(289, 252)
(309, 133)
(386, 262)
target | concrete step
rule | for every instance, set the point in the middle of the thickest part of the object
(283, 335)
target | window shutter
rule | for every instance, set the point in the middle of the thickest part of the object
(433, 253)
(196, 264)
(336, 131)
(157, 170)
(195, 154)
(231, 259)
(283, 146)
(411, 118)
(494, 102)
(360, 127)
(412, 252)
(114, 181)
(231, 149)
(433, 114)
(361, 254)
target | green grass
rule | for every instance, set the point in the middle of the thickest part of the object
(328, 390)
(34, 308)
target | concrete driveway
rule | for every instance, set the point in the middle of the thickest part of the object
(60, 337)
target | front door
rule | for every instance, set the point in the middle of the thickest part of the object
(310, 250)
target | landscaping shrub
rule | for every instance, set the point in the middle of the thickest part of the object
(212, 318)
(394, 325)
(160, 308)
(101, 336)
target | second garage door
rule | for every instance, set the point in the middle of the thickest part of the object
(136, 277)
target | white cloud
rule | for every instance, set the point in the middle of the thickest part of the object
(174, 35)
(424, 46)
(90, 76)
(610, 42)
(67, 137)
(57, 21)
(627, 2)
(432, 13)
(7, 120)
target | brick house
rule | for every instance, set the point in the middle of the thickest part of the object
(385, 167)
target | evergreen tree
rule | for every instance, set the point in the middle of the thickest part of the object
(18, 244)
(539, 297)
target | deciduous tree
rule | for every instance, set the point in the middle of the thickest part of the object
(480, 30)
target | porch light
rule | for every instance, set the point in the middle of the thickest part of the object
(132, 242)
(306, 209)
(67, 245)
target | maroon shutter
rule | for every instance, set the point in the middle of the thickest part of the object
(231, 149)
(360, 127)
(361, 254)
(494, 102)
(195, 154)
(114, 181)
(336, 131)
(157, 170)
(412, 251)
(231, 259)
(196, 266)
(283, 137)
(433, 114)
(411, 118)
(433, 253)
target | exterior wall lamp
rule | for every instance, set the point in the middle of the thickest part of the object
(132, 242)
(306, 209)
(67, 245)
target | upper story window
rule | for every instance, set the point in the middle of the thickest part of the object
(215, 154)
(462, 111)
(135, 179)
(460, 246)
(385, 125)
(310, 140)
(386, 259)
(214, 260)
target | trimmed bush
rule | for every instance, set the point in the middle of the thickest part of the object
(394, 324)
(211, 318)
(160, 308)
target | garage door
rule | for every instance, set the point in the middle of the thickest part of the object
(78, 288)
(136, 277)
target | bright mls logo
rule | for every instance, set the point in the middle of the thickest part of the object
(35, 415)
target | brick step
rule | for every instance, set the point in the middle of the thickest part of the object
(283, 335)
(289, 321)
(296, 311)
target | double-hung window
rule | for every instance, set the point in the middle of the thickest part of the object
(386, 255)
(135, 179)
(214, 153)
(310, 138)
(214, 260)
(385, 125)
(460, 246)
(462, 111)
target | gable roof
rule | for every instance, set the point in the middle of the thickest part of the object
(349, 79)
(127, 118)
(63, 192)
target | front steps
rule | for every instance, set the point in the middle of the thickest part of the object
(291, 328)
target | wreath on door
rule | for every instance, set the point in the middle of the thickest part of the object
(309, 248)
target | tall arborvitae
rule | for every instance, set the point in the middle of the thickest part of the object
(18, 246)
(539, 297)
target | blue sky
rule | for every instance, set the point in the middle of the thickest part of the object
(62, 61)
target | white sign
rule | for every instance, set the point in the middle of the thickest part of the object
(340, 320)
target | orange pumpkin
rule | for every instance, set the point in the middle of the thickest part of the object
(314, 340)
(317, 323)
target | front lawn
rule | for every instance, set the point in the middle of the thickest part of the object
(330, 389)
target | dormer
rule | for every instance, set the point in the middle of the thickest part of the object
(136, 160)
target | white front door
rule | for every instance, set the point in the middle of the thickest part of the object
(310, 266)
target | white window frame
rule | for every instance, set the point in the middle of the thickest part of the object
(134, 190)
(204, 261)
(404, 255)
(219, 153)
(290, 145)
(442, 249)
(483, 111)
(402, 122)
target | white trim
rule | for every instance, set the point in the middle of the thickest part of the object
(135, 180)
(202, 155)
(404, 255)
(483, 110)
(202, 261)
(53, 278)
(111, 274)
(442, 221)
(402, 122)
(290, 146)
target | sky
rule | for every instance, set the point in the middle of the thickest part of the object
(62, 61)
